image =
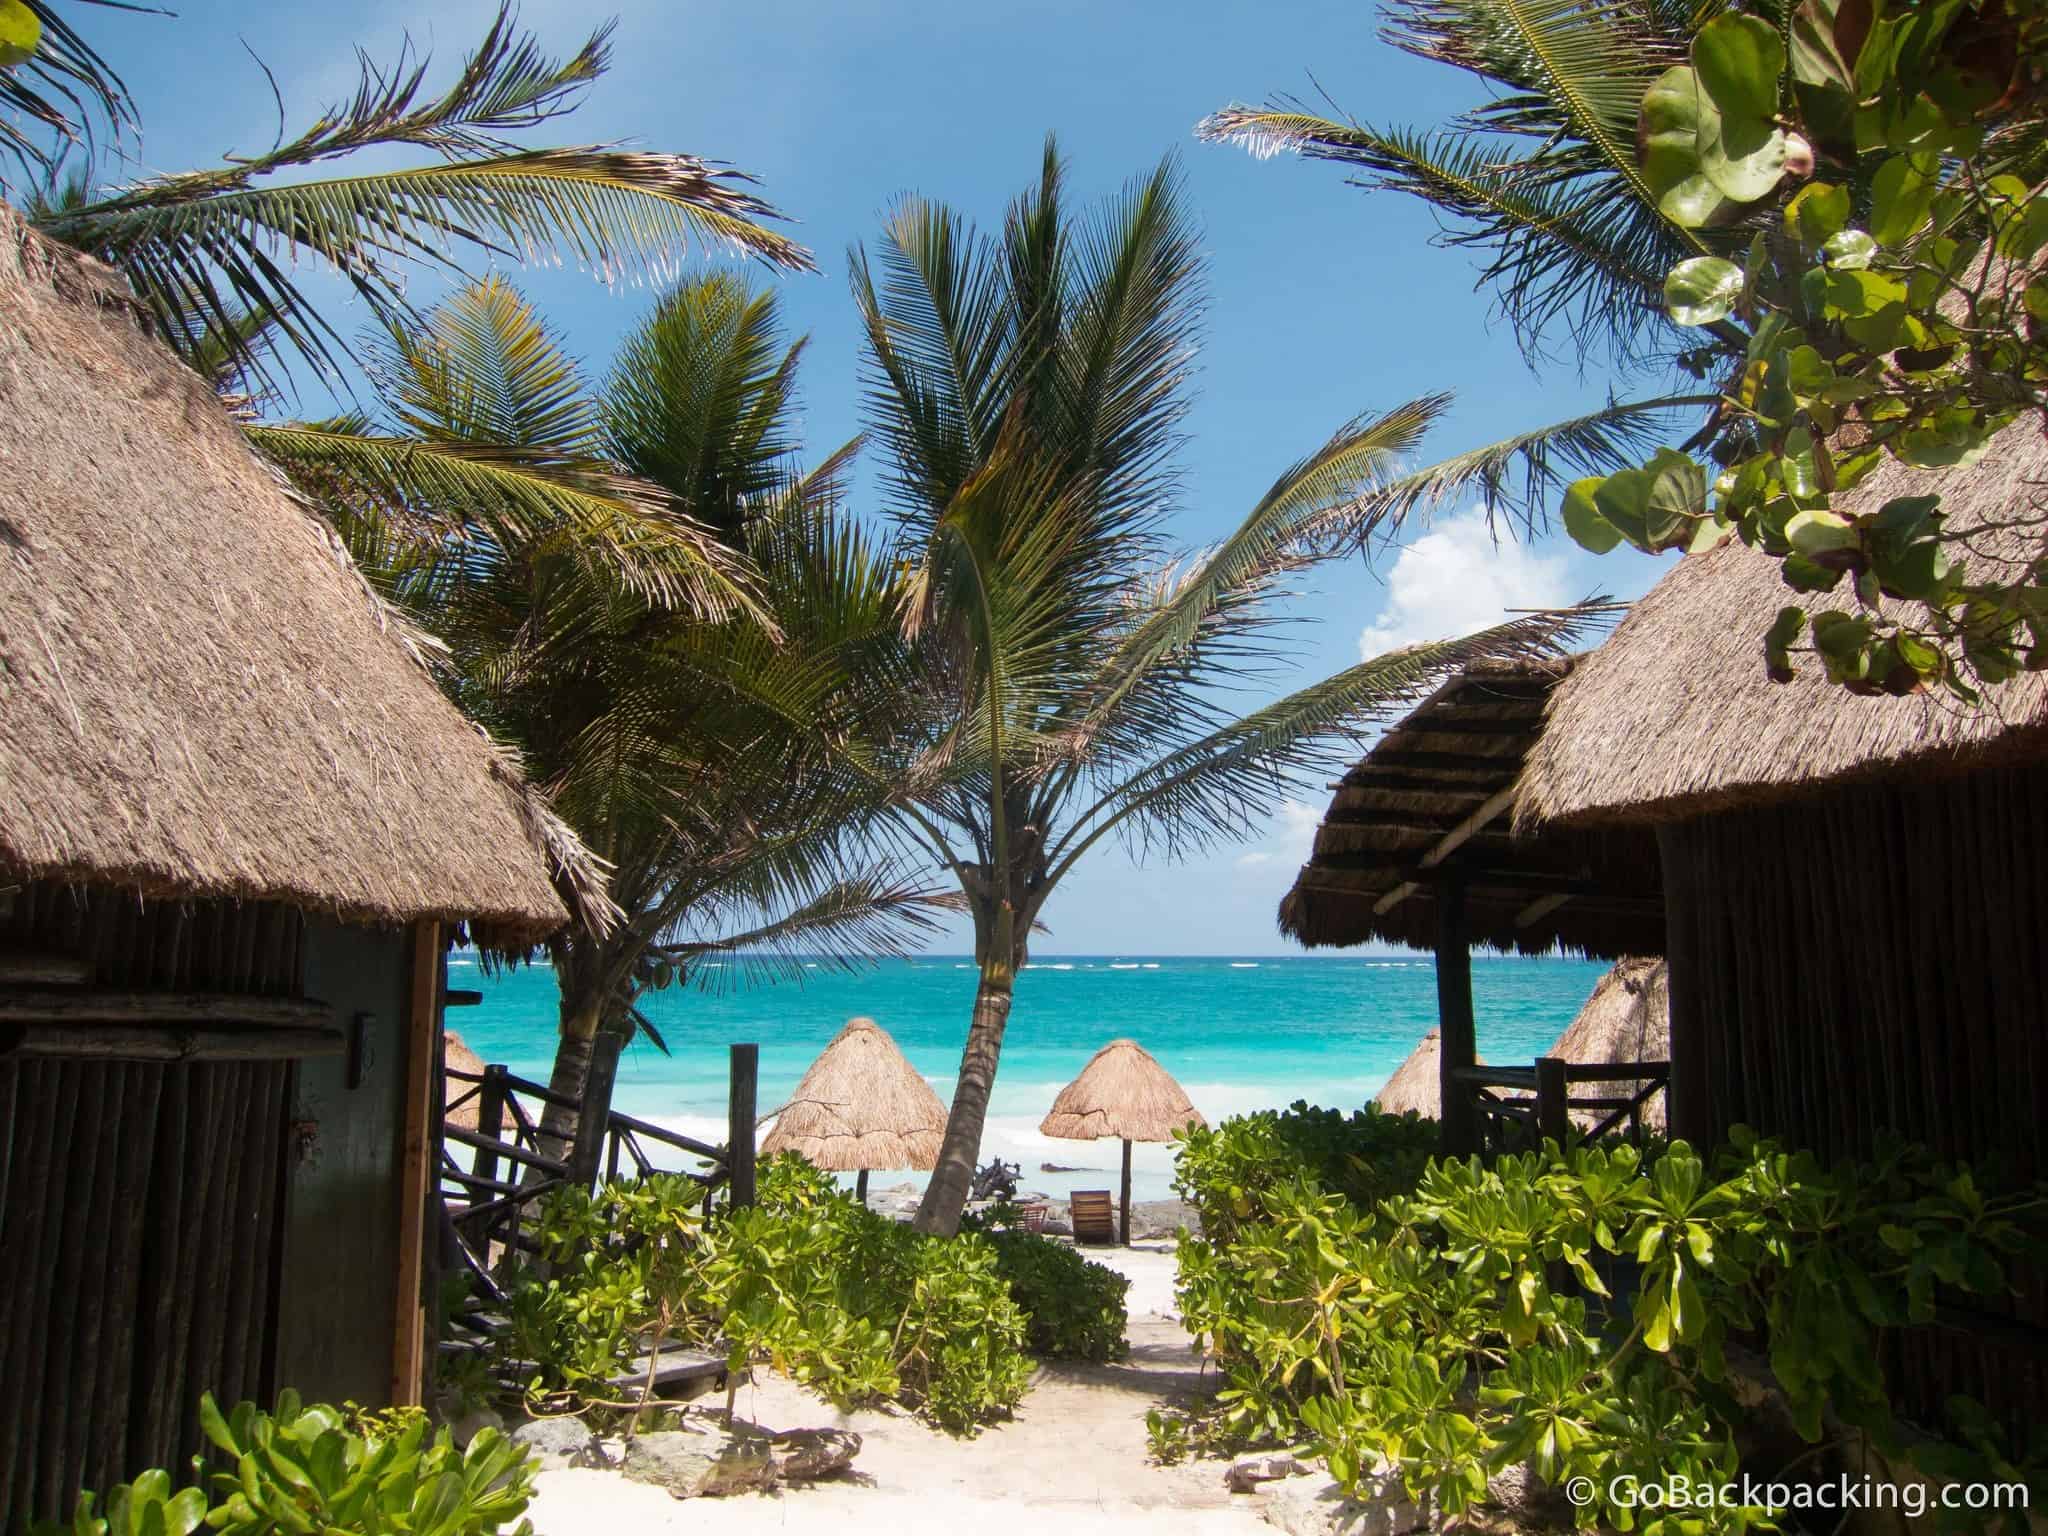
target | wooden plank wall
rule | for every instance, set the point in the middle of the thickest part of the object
(139, 1207)
(1868, 966)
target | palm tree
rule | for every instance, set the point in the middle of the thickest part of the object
(1542, 179)
(1074, 676)
(218, 254)
(720, 837)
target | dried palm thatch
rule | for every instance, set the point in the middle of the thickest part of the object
(1121, 1092)
(1431, 800)
(1628, 1018)
(456, 1056)
(1674, 716)
(861, 1105)
(203, 699)
(1417, 1084)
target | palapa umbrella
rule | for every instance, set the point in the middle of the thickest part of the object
(861, 1105)
(458, 1057)
(1628, 1018)
(1121, 1092)
(1417, 1084)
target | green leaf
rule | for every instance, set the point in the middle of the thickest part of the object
(1901, 194)
(1703, 290)
(1817, 211)
(1738, 60)
(21, 31)
(1849, 249)
(1819, 533)
(1669, 128)
(1582, 519)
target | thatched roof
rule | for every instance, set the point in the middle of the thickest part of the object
(1417, 1084)
(1628, 1018)
(1122, 1092)
(202, 697)
(861, 1105)
(1430, 801)
(457, 1056)
(1674, 717)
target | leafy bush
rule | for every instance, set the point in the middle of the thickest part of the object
(1426, 1332)
(303, 1469)
(849, 1302)
(1074, 1307)
(1226, 1172)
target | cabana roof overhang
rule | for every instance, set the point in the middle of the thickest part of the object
(1430, 808)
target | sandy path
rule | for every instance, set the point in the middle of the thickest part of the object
(1071, 1463)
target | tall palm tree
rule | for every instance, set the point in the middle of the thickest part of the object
(722, 836)
(1542, 179)
(1075, 676)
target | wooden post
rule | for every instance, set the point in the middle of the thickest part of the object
(1688, 1105)
(1124, 1210)
(1553, 1118)
(739, 1122)
(860, 1187)
(490, 1119)
(416, 1164)
(1455, 1030)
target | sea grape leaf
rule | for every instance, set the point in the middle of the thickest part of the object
(1703, 290)
(1667, 136)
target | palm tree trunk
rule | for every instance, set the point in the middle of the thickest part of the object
(580, 1019)
(946, 1196)
(587, 1152)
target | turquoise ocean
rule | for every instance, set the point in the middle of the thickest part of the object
(1238, 1033)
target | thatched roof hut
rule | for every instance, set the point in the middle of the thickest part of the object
(1122, 1092)
(861, 1105)
(204, 699)
(1674, 717)
(237, 819)
(1416, 1087)
(1856, 888)
(1430, 802)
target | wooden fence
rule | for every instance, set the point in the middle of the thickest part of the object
(1515, 1108)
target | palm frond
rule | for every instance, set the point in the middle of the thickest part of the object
(202, 245)
(1215, 787)
(65, 88)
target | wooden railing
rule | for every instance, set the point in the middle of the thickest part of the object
(492, 1175)
(1516, 1108)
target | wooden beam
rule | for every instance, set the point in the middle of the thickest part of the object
(40, 970)
(416, 1164)
(1541, 908)
(148, 1042)
(740, 1121)
(1455, 762)
(1522, 725)
(161, 1010)
(1447, 845)
(1456, 1036)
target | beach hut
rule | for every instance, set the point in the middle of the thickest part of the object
(459, 1097)
(862, 1105)
(1417, 849)
(1856, 888)
(239, 824)
(1122, 1092)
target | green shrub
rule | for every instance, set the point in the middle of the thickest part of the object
(1073, 1306)
(855, 1305)
(302, 1469)
(1424, 1331)
(1226, 1172)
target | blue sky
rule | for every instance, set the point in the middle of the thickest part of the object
(1325, 301)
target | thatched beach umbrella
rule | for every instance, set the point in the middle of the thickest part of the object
(1628, 1018)
(458, 1057)
(1121, 1092)
(1417, 1084)
(861, 1105)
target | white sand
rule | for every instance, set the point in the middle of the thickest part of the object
(1071, 1463)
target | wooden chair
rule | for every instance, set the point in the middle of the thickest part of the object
(1093, 1215)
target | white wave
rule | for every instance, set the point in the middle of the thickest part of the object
(1151, 965)
(1130, 966)
(1244, 965)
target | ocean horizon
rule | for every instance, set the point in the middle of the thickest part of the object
(1240, 1033)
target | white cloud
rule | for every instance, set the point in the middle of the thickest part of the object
(1456, 579)
(1290, 840)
